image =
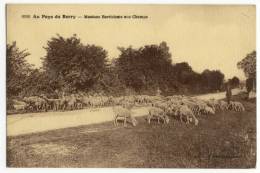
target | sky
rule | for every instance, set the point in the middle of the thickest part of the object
(211, 37)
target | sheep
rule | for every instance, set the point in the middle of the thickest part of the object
(213, 104)
(17, 102)
(85, 100)
(50, 103)
(55, 103)
(20, 106)
(202, 106)
(194, 106)
(209, 110)
(123, 113)
(162, 105)
(105, 100)
(95, 101)
(187, 112)
(173, 109)
(236, 106)
(126, 104)
(223, 105)
(35, 101)
(157, 113)
(71, 102)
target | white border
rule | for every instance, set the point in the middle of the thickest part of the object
(3, 168)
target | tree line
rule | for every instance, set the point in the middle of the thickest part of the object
(70, 66)
(248, 65)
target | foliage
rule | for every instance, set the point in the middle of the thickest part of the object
(78, 66)
(212, 80)
(38, 83)
(187, 78)
(146, 68)
(71, 66)
(17, 69)
(249, 84)
(109, 83)
(235, 82)
(248, 65)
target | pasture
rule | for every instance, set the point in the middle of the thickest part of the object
(224, 140)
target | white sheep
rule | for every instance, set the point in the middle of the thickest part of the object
(236, 106)
(193, 105)
(214, 104)
(173, 109)
(157, 113)
(19, 107)
(123, 114)
(209, 110)
(187, 112)
(223, 105)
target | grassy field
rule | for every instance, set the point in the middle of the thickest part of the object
(224, 140)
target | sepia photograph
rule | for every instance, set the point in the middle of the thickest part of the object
(131, 86)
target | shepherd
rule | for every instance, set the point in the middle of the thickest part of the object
(228, 91)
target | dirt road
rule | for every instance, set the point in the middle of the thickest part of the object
(39, 122)
(217, 96)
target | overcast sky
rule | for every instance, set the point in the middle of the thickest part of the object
(207, 37)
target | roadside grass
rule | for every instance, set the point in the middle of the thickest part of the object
(224, 140)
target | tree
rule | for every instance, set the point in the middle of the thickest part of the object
(248, 65)
(249, 85)
(17, 69)
(38, 83)
(76, 65)
(212, 80)
(146, 68)
(235, 82)
(109, 83)
(183, 72)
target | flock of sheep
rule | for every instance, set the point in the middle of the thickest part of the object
(160, 108)
(185, 109)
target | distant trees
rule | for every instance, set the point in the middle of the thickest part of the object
(71, 66)
(37, 83)
(146, 68)
(17, 69)
(212, 80)
(75, 65)
(234, 82)
(248, 65)
(183, 72)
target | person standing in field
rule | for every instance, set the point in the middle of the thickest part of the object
(228, 92)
